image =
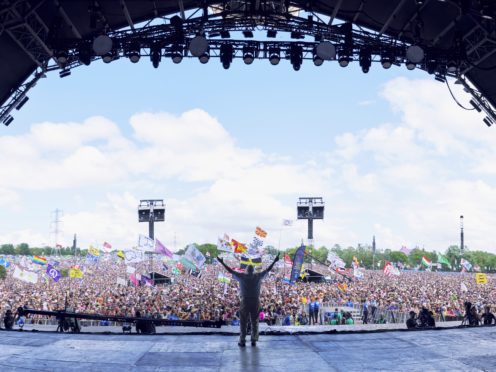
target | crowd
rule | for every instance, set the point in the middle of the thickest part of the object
(204, 297)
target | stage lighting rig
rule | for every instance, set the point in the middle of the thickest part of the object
(310, 208)
(274, 56)
(226, 55)
(248, 54)
(296, 56)
(365, 60)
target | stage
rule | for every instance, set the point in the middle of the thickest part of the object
(459, 349)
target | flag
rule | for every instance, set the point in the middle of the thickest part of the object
(223, 244)
(467, 265)
(221, 277)
(130, 270)
(297, 264)
(287, 260)
(245, 261)
(287, 222)
(39, 260)
(426, 261)
(390, 270)
(121, 281)
(185, 263)
(146, 281)
(107, 247)
(91, 258)
(146, 244)
(194, 255)
(405, 250)
(481, 278)
(477, 268)
(463, 287)
(133, 256)
(120, 254)
(355, 262)
(75, 273)
(53, 273)
(134, 279)
(4, 262)
(94, 251)
(162, 249)
(25, 276)
(358, 273)
(443, 260)
(260, 232)
(342, 287)
(335, 260)
(238, 247)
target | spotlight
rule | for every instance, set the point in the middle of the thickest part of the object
(176, 22)
(176, 55)
(108, 57)
(440, 78)
(271, 33)
(274, 56)
(487, 121)
(344, 59)
(22, 103)
(102, 45)
(9, 119)
(317, 60)
(84, 54)
(155, 55)
(475, 105)
(226, 55)
(198, 46)
(61, 56)
(431, 66)
(204, 58)
(248, 34)
(134, 53)
(452, 66)
(297, 35)
(248, 55)
(365, 60)
(225, 34)
(387, 61)
(64, 73)
(410, 65)
(415, 53)
(296, 56)
(326, 51)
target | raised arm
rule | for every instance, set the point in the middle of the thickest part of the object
(226, 267)
(272, 264)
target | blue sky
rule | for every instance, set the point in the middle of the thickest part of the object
(390, 152)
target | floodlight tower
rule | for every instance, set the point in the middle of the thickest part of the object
(310, 208)
(151, 211)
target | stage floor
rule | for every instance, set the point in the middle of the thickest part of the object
(462, 349)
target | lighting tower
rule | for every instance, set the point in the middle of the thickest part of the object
(151, 211)
(310, 208)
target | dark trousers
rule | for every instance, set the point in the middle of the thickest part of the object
(249, 311)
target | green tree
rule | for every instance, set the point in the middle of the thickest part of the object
(397, 256)
(3, 272)
(23, 249)
(7, 249)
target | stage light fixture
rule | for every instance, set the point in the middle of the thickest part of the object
(248, 55)
(365, 60)
(415, 53)
(297, 35)
(317, 60)
(9, 119)
(386, 60)
(61, 56)
(410, 65)
(326, 51)
(431, 66)
(64, 73)
(22, 103)
(296, 56)
(155, 55)
(274, 56)
(248, 34)
(475, 105)
(84, 54)
(198, 46)
(271, 33)
(439, 77)
(487, 121)
(102, 45)
(225, 34)
(344, 59)
(176, 22)
(452, 66)
(108, 57)
(176, 55)
(204, 58)
(226, 55)
(134, 52)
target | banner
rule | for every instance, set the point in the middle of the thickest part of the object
(335, 260)
(481, 278)
(358, 273)
(443, 260)
(466, 264)
(133, 256)
(193, 255)
(185, 263)
(4, 262)
(223, 278)
(121, 281)
(53, 273)
(297, 263)
(390, 270)
(130, 270)
(25, 276)
(162, 249)
(91, 258)
(94, 251)
(146, 244)
(75, 273)
(223, 244)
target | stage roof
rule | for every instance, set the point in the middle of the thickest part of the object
(28, 28)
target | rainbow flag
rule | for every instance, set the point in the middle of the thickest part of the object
(39, 260)
(426, 261)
